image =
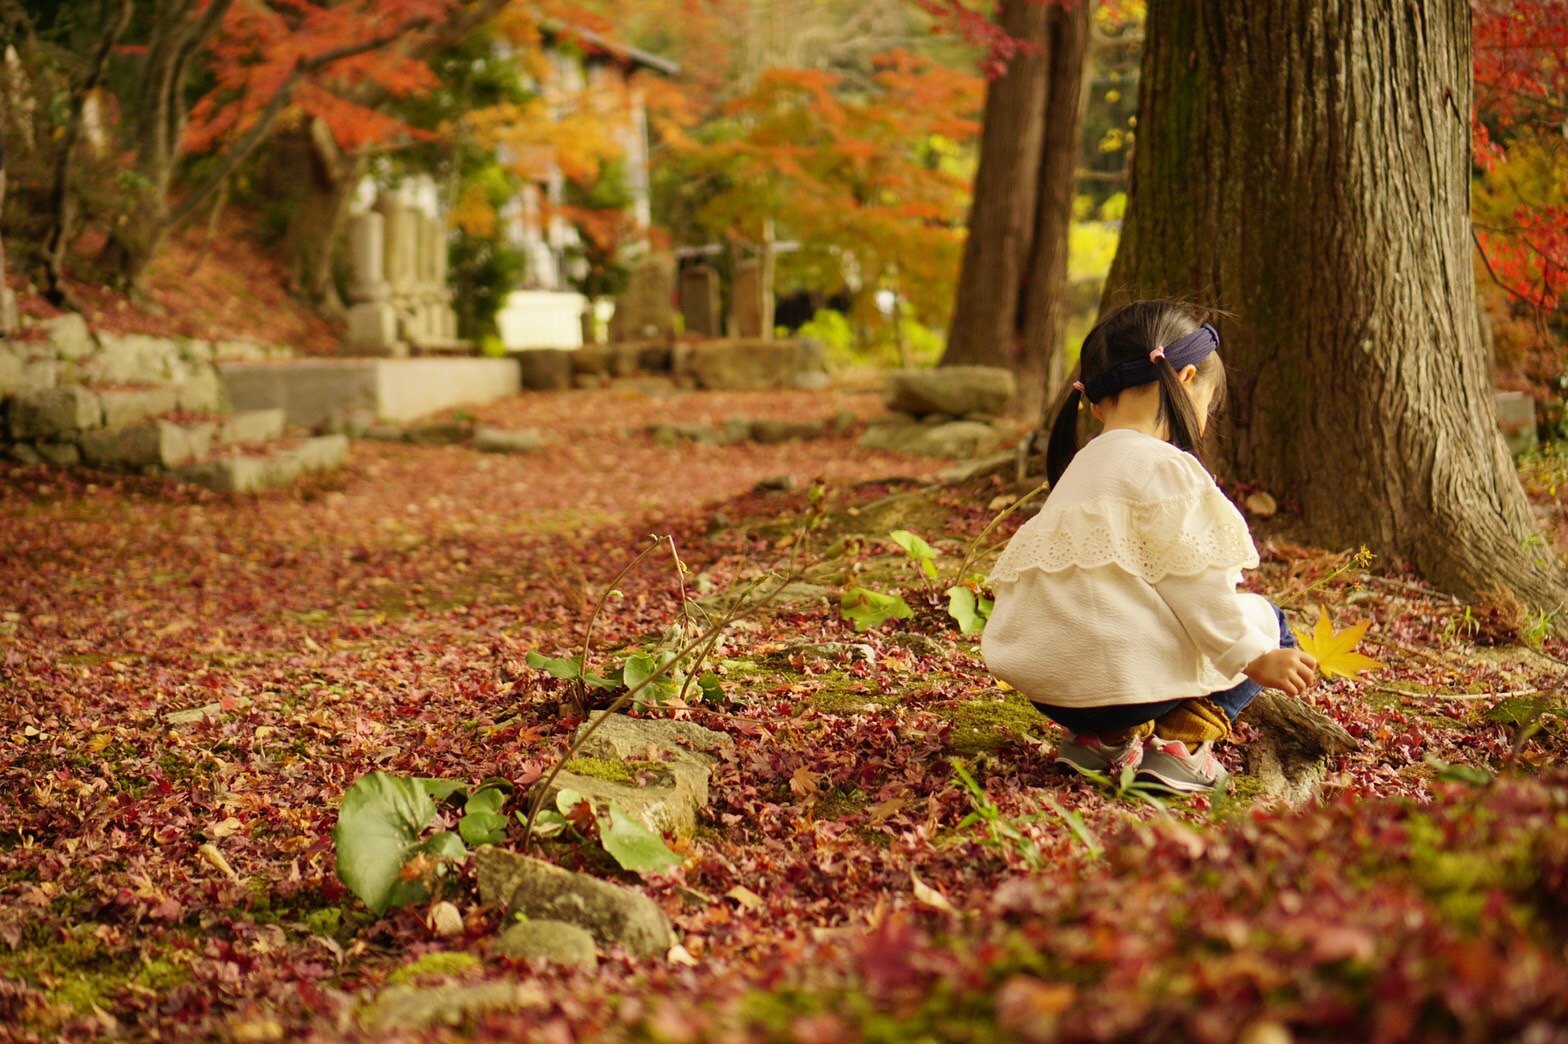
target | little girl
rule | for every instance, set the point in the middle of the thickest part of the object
(1116, 609)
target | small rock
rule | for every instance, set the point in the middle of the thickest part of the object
(500, 440)
(775, 484)
(555, 941)
(403, 1008)
(771, 432)
(438, 433)
(920, 644)
(613, 915)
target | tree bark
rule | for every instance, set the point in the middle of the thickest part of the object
(1002, 216)
(320, 213)
(1304, 166)
(1039, 364)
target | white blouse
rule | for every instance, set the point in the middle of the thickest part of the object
(1123, 588)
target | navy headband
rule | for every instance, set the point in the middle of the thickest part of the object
(1186, 351)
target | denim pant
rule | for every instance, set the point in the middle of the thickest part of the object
(1125, 716)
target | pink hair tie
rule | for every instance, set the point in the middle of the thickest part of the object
(1158, 353)
(1079, 386)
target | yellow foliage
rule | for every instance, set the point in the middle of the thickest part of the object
(1336, 652)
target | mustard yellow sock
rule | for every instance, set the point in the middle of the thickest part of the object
(1193, 722)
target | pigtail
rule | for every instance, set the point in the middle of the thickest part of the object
(1181, 420)
(1059, 452)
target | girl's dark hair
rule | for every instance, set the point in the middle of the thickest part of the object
(1129, 333)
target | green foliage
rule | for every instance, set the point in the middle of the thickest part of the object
(379, 830)
(1002, 832)
(382, 854)
(867, 609)
(482, 270)
(968, 609)
(916, 548)
(633, 845)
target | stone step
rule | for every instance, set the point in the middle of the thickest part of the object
(280, 465)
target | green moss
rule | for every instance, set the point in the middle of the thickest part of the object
(82, 975)
(986, 723)
(607, 769)
(839, 803)
(433, 965)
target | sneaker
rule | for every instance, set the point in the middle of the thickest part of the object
(1169, 764)
(1086, 752)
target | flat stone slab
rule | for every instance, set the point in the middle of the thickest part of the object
(665, 800)
(125, 406)
(958, 439)
(151, 444)
(625, 738)
(252, 426)
(245, 474)
(613, 915)
(314, 391)
(45, 412)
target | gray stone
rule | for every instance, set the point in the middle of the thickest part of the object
(673, 434)
(280, 468)
(401, 1009)
(195, 351)
(10, 314)
(613, 915)
(252, 426)
(130, 359)
(812, 380)
(644, 312)
(700, 301)
(438, 433)
(654, 358)
(239, 351)
(13, 372)
(954, 390)
(54, 411)
(555, 941)
(735, 429)
(545, 369)
(122, 406)
(152, 444)
(617, 736)
(382, 433)
(771, 432)
(961, 439)
(202, 392)
(750, 301)
(665, 797)
(1516, 418)
(69, 335)
(828, 651)
(500, 440)
(60, 454)
(844, 422)
(591, 360)
(25, 453)
(747, 365)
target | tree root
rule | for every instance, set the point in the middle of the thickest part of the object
(1290, 758)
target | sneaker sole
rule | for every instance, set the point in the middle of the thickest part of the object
(1182, 786)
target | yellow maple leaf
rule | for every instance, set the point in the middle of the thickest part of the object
(1336, 653)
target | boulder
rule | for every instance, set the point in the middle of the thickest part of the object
(665, 797)
(130, 359)
(952, 390)
(618, 736)
(1516, 418)
(961, 439)
(500, 440)
(747, 365)
(60, 454)
(63, 410)
(122, 406)
(69, 336)
(555, 941)
(613, 915)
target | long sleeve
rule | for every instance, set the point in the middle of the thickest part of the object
(1216, 618)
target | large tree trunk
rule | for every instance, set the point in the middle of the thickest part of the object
(321, 207)
(1039, 363)
(1009, 306)
(1305, 167)
(1002, 218)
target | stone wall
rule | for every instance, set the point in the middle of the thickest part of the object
(118, 401)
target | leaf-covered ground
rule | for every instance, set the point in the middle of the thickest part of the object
(380, 619)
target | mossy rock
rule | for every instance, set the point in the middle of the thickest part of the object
(554, 941)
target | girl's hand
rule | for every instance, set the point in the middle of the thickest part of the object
(1288, 670)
